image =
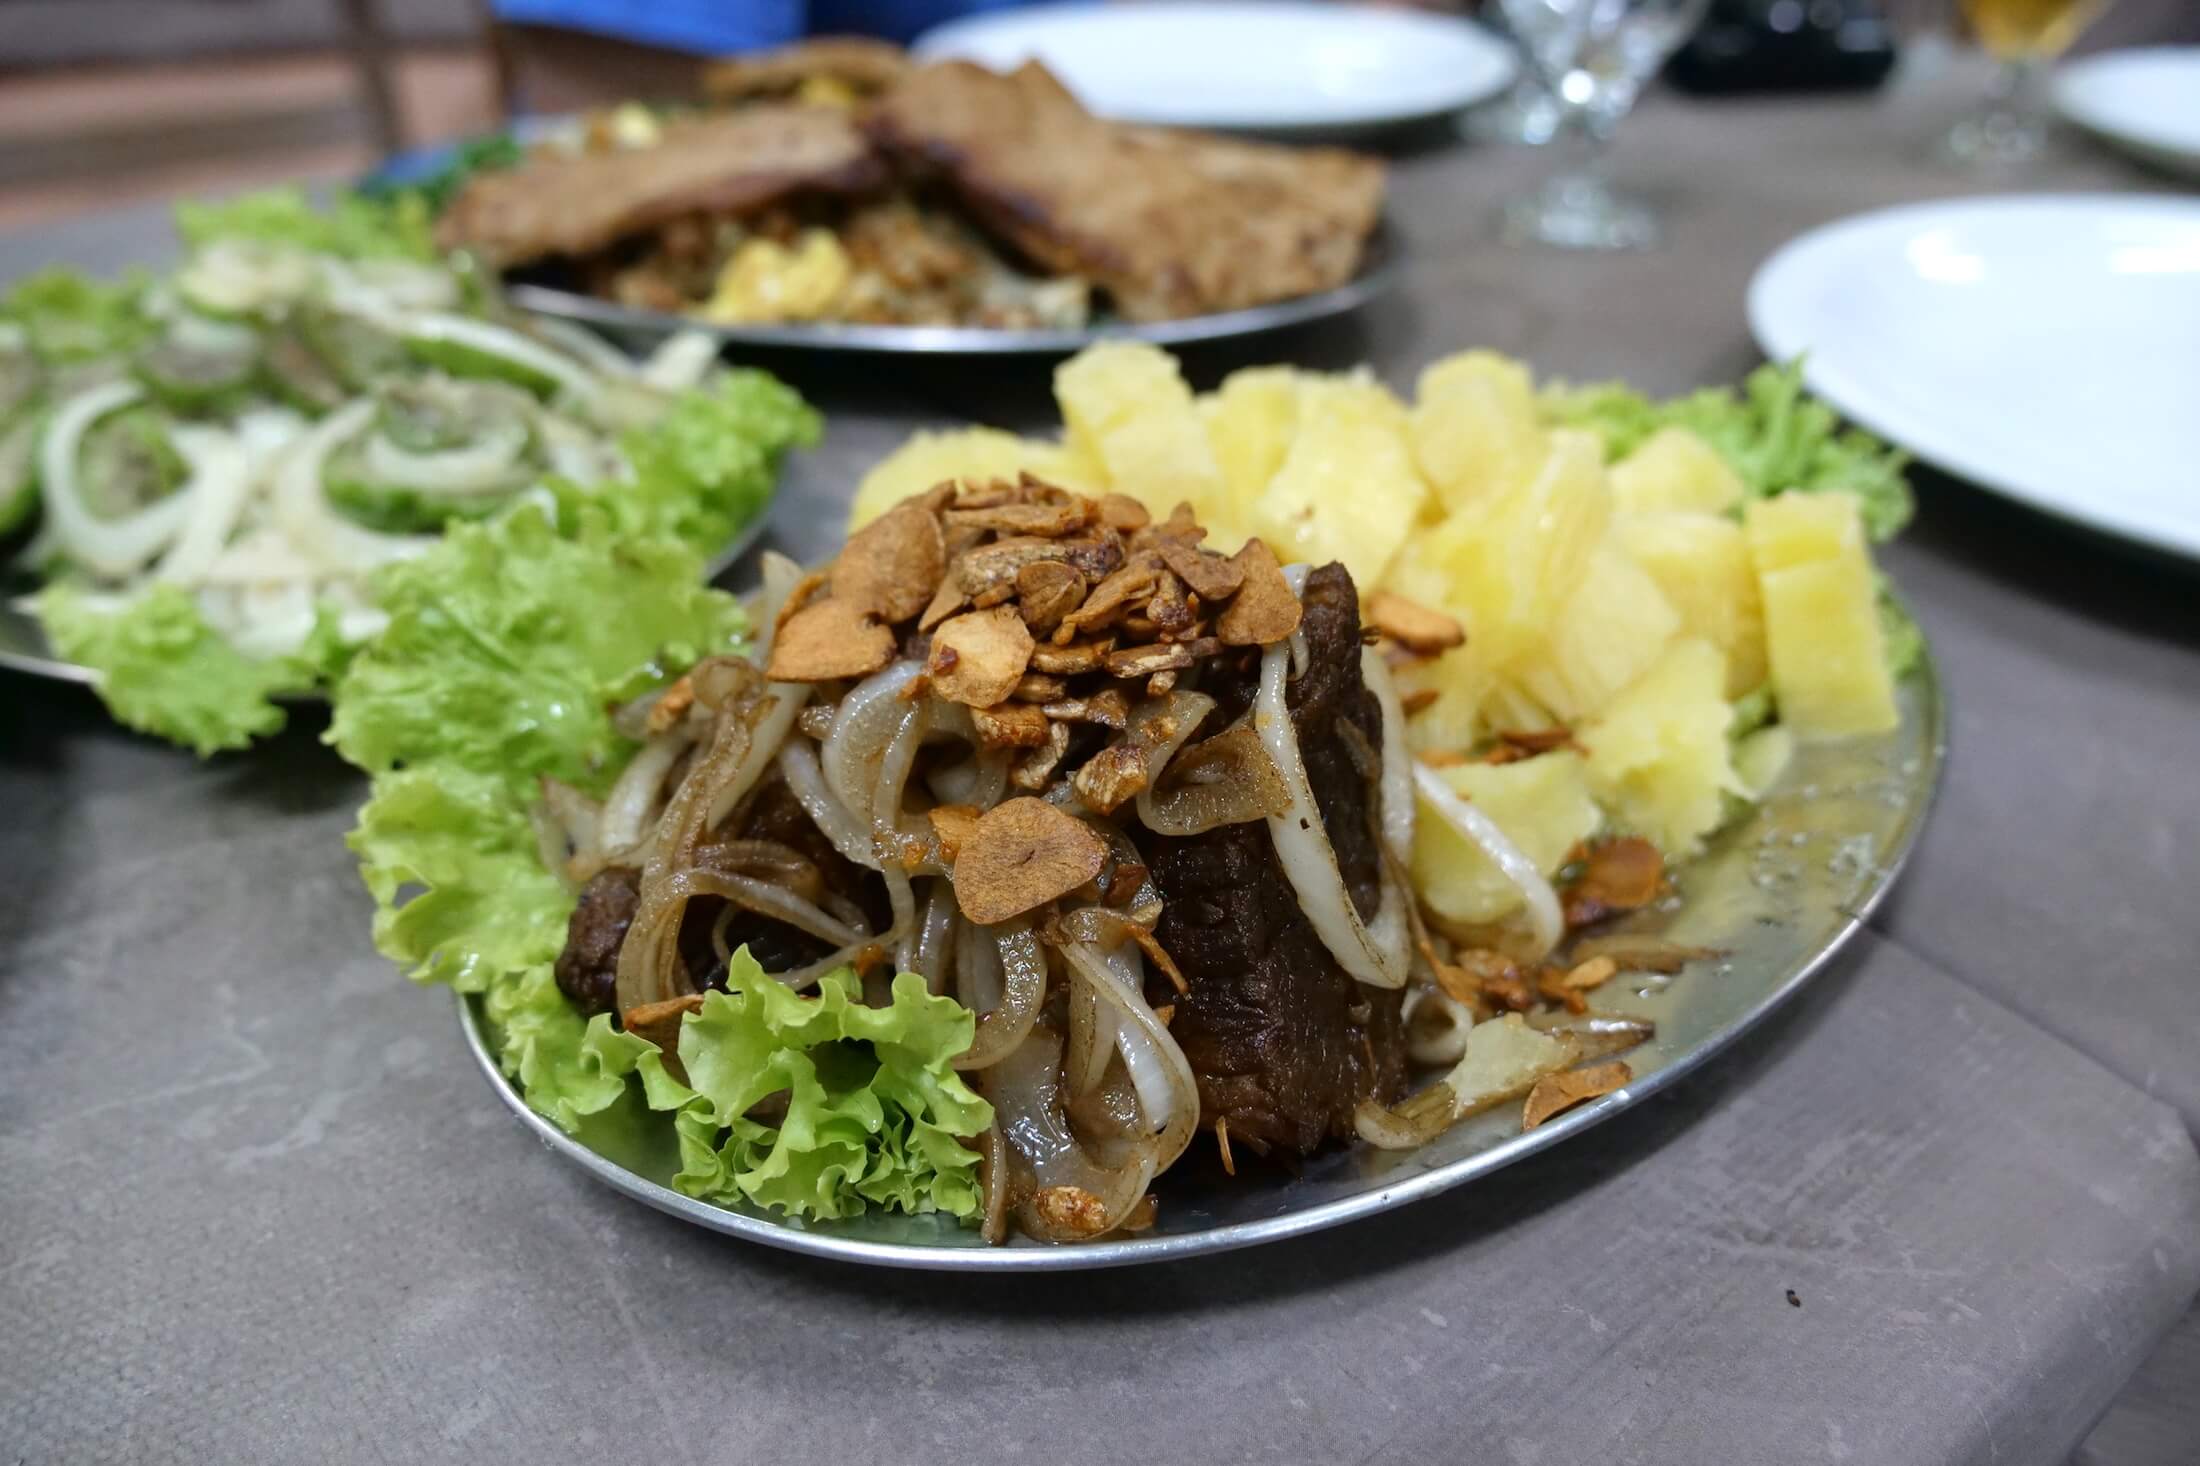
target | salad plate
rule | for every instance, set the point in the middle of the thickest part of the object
(1776, 895)
(2040, 346)
(24, 648)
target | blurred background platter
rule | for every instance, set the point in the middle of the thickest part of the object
(1276, 68)
(638, 329)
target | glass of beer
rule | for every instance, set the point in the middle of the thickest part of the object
(2022, 36)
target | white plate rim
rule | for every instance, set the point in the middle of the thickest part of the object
(2075, 94)
(1776, 321)
(970, 37)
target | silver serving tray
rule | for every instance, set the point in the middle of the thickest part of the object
(23, 646)
(637, 328)
(1778, 894)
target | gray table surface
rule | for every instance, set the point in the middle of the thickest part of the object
(256, 1206)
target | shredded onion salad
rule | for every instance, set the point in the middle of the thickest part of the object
(248, 439)
(1033, 788)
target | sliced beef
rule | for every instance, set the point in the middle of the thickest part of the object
(587, 969)
(1171, 223)
(726, 165)
(1284, 1043)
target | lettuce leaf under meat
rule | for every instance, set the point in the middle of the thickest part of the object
(1775, 435)
(508, 646)
(162, 669)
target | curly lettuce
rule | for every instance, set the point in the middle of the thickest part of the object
(507, 648)
(1776, 436)
(705, 469)
(68, 317)
(162, 669)
(398, 227)
(875, 1113)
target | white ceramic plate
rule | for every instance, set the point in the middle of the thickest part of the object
(2145, 101)
(1264, 67)
(2046, 347)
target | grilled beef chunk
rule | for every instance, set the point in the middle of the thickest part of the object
(1284, 1043)
(587, 970)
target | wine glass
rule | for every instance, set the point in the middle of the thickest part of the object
(1594, 56)
(2022, 36)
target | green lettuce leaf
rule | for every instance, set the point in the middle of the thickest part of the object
(704, 470)
(875, 1113)
(397, 227)
(1777, 437)
(70, 317)
(163, 670)
(507, 644)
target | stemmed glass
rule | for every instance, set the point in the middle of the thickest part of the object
(2022, 36)
(1594, 56)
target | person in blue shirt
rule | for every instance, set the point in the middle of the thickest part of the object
(724, 27)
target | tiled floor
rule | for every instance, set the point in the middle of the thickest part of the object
(78, 140)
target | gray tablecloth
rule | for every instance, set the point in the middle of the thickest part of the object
(256, 1206)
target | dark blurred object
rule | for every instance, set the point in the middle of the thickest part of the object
(1786, 46)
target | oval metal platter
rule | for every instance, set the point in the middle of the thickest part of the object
(23, 645)
(1777, 894)
(639, 329)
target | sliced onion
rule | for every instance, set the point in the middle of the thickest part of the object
(784, 702)
(1436, 1025)
(237, 276)
(112, 548)
(766, 899)
(584, 345)
(302, 509)
(935, 936)
(1395, 787)
(780, 576)
(1168, 1094)
(504, 343)
(798, 765)
(1004, 1022)
(390, 284)
(578, 817)
(1375, 953)
(681, 363)
(1025, 1090)
(638, 791)
(1407, 1128)
(1092, 1039)
(870, 718)
(220, 483)
(489, 464)
(1476, 828)
(576, 453)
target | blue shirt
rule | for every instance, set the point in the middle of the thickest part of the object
(721, 27)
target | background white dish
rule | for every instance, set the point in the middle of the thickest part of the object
(2047, 347)
(2146, 101)
(1273, 67)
